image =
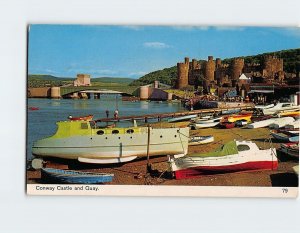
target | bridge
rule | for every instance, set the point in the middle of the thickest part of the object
(109, 89)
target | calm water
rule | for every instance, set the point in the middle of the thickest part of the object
(41, 123)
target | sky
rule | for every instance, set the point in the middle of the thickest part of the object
(133, 51)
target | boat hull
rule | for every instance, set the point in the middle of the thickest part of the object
(74, 177)
(248, 166)
(114, 147)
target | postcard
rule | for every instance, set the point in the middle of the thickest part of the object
(163, 110)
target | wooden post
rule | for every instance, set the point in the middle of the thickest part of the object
(148, 150)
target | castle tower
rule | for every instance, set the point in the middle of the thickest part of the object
(209, 72)
(182, 73)
(237, 66)
(218, 62)
(272, 66)
(194, 72)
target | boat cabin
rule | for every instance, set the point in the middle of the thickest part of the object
(83, 128)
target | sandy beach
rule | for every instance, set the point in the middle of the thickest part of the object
(135, 172)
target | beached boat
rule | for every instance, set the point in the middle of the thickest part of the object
(74, 177)
(182, 118)
(265, 123)
(284, 136)
(227, 125)
(293, 125)
(291, 149)
(280, 107)
(81, 118)
(197, 140)
(264, 106)
(281, 122)
(239, 117)
(204, 124)
(295, 114)
(208, 120)
(232, 157)
(85, 142)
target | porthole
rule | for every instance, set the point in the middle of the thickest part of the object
(175, 136)
(119, 137)
(161, 136)
(129, 131)
(115, 131)
(100, 132)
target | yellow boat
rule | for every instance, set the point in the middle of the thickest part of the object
(84, 141)
(235, 118)
(290, 114)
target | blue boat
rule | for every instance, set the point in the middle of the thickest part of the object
(230, 111)
(294, 139)
(74, 177)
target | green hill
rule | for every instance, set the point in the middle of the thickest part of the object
(113, 80)
(291, 64)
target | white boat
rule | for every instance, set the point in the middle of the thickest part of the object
(260, 124)
(233, 156)
(85, 142)
(208, 120)
(198, 140)
(281, 122)
(275, 121)
(204, 125)
(293, 125)
(182, 118)
(264, 106)
(280, 107)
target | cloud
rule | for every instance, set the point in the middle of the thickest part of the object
(156, 45)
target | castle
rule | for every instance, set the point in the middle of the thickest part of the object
(213, 73)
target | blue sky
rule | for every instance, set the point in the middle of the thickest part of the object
(132, 51)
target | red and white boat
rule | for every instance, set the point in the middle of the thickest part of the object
(81, 118)
(232, 157)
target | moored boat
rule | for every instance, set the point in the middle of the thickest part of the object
(232, 157)
(294, 114)
(85, 142)
(33, 108)
(74, 177)
(198, 140)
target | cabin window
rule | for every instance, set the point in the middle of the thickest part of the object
(243, 147)
(129, 131)
(93, 124)
(84, 126)
(115, 131)
(100, 132)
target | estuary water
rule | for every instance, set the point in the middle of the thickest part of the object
(42, 123)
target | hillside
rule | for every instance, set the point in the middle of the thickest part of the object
(291, 64)
(40, 80)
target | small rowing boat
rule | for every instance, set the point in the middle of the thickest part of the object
(74, 177)
(234, 118)
(198, 140)
(281, 122)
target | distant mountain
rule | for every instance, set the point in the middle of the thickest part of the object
(113, 80)
(46, 77)
(291, 64)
